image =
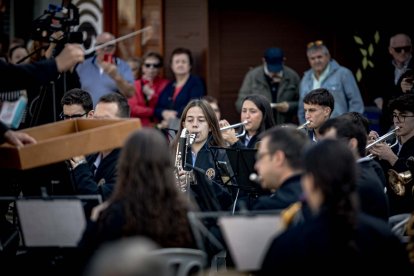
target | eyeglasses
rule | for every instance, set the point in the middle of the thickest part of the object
(315, 44)
(399, 49)
(69, 117)
(259, 156)
(401, 117)
(152, 65)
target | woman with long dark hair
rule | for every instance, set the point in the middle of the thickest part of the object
(199, 118)
(145, 201)
(258, 115)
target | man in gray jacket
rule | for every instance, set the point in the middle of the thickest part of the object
(327, 73)
(277, 82)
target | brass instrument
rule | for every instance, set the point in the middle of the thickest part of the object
(398, 181)
(383, 138)
(288, 214)
(302, 126)
(236, 126)
(274, 105)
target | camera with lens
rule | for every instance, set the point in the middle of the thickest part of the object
(57, 18)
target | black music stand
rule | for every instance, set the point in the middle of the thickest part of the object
(56, 178)
(51, 228)
(242, 162)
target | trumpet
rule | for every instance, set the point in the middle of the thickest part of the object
(274, 105)
(383, 138)
(302, 126)
(380, 139)
(236, 126)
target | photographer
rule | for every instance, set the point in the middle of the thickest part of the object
(35, 74)
(13, 77)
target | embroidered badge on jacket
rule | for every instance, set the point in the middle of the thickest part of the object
(211, 173)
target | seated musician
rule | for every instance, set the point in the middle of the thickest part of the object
(395, 158)
(318, 106)
(370, 184)
(258, 114)
(278, 164)
(199, 118)
(337, 233)
(76, 103)
(96, 173)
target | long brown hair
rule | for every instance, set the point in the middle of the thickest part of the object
(146, 188)
(216, 138)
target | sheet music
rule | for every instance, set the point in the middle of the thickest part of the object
(248, 238)
(51, 223)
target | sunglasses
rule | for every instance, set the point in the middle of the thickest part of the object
(152, 65)
(69, 117)
(314, 44)
(399, 49)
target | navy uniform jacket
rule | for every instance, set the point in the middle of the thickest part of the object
(288, 193)
(103, 182)
(371, 190)
(206, 161)
(400, 204)
(311, 246)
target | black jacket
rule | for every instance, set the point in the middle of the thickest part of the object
(288, 193)
(23, 76)
(206, 160)
(313, 246)
(371, 190)
(400, 204)
(104, 180)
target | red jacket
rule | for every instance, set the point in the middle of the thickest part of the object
(140, 107)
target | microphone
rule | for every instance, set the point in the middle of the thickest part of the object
(255, 178)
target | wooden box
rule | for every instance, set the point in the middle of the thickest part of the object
(65, 139)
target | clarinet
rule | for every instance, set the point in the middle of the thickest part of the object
(184, 142)
(180, 158)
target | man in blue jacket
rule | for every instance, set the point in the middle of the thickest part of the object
(327, 73)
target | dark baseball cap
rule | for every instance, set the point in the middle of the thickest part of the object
(274, 59)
